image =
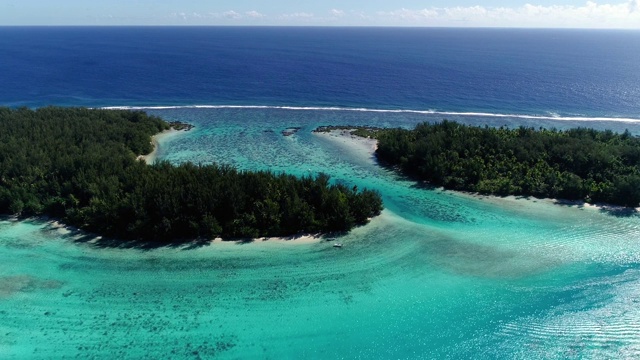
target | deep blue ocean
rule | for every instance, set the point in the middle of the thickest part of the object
(556, 73)
(438, 275)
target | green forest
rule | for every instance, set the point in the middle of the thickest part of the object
(576, 164)
(79, 165)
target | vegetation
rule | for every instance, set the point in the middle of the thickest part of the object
(576, 164)
(79, 165)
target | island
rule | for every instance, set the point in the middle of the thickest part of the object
(576, 164)
(80, 166)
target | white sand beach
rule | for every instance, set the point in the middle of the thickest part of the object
(365, 147)
(150, 158)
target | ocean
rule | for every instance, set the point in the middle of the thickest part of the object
(439, 274)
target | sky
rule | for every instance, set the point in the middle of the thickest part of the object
(624, 14)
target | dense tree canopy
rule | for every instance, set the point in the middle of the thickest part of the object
(576, 164)
(79, 165)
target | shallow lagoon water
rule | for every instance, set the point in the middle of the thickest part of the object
(437, 275)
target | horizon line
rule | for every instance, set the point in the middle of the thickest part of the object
(310, 26)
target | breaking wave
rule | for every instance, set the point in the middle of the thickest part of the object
(396, 111)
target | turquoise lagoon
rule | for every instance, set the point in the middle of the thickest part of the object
(438, 275)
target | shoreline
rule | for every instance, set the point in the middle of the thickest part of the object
(302, 239)
(576, 204)
(345, 137)
(78, 235)
(150, 158)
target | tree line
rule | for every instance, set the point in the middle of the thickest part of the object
(79, 165)
(575, 164)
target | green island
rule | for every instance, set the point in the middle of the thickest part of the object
(80, 166)
(576, 164)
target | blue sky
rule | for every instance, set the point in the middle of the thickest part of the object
(458, 13)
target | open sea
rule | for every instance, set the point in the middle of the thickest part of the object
(439, 275)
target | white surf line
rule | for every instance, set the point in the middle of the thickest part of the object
(392, 111)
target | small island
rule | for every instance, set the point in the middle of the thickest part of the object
(576, 164)
(79, 166)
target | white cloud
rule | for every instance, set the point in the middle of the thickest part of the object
(590, 15)
(254, 14)
(410, 15)
(298, 15)
(463, 13)
(195, 17)
(231, 15)
(337, 13)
